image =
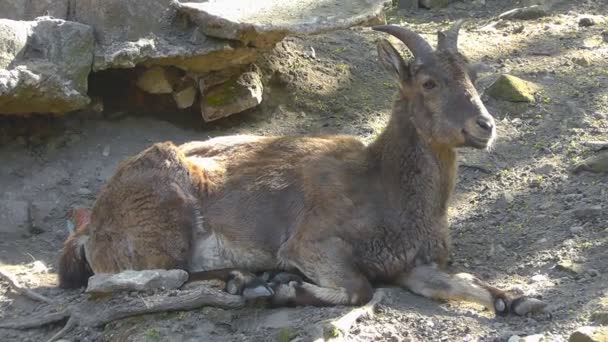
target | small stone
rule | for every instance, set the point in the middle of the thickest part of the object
(106, 151)
(582, 61)
(586, 22)
(538, 278)
(533, 338)
(513, 89)
(234, 96)
(593, 272)
(545, 169)
(136, 280)
(569, 266)
(84, 191)
(524, 13)
(588, 213)
(185, 96)
(542, 241)
(600, 317)
(589, 334)
(576, 230)
(597, 164)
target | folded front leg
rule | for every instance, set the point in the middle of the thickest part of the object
(431, 282)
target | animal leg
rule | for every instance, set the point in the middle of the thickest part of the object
(431, 282)
(334, 279)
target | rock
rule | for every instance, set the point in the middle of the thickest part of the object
(532, 338)
(234, 96)
(14, 215)
(263, 23)
(569, 266)
(589, 213)
(106, 151)
(539, 278)
(44, 65)
(524, 13)
(586, 22)
(576, 230)
(434, 3)
(596, 145)
(31, 9)
(136, 280)
(582, 61)
(511, 88)
(589, 334)
(600, 317)
(185, 94)
(157, 80)
(597, 164)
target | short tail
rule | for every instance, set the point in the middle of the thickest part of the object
(74, 270)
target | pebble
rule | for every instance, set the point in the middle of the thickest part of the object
(538, 278)
(582, 61)
(106, 151)
(586, 22)
(576, 230)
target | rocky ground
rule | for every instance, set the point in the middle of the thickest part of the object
(520, 218)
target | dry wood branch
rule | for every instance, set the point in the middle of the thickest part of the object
(16, 286)
(339, 328)
(97, 313)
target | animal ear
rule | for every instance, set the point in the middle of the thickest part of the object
(392, 61)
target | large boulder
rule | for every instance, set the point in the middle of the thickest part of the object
(31, 9)
(264, 23)
(44, 65)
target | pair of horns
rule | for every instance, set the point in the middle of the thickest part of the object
(446, 40)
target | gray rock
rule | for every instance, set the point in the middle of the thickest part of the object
(586, 22)
(597, 163)
(589, 334)
(44, 65)
(263, 23)
(525, 13)
(14, 215)
(31, 9)
(589, 213)
(136, 280)
(582, 61)
(569, 266)
(234, 96)
(576, 229)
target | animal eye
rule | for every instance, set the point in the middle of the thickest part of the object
(428, 85)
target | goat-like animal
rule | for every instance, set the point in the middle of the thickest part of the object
(343, 214)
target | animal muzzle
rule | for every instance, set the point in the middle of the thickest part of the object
(480, 131)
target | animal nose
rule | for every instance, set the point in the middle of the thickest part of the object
(485, 124)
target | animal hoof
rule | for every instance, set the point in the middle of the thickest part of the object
(525, 305)
(260, 291)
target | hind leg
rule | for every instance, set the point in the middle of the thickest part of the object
(431, 282)
(335, 280)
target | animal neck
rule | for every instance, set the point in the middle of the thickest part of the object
(412, 168)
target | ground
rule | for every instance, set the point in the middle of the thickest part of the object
(517, 215)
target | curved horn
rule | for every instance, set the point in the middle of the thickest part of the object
(417, 45)
(448, 40)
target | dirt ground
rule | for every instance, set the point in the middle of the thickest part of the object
(518, 217)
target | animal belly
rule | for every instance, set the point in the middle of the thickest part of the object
(213, 252)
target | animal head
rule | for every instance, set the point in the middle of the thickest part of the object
(437, 85)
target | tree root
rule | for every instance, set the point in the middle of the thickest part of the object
(91, 313)
(16, 286)
(337, 329)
